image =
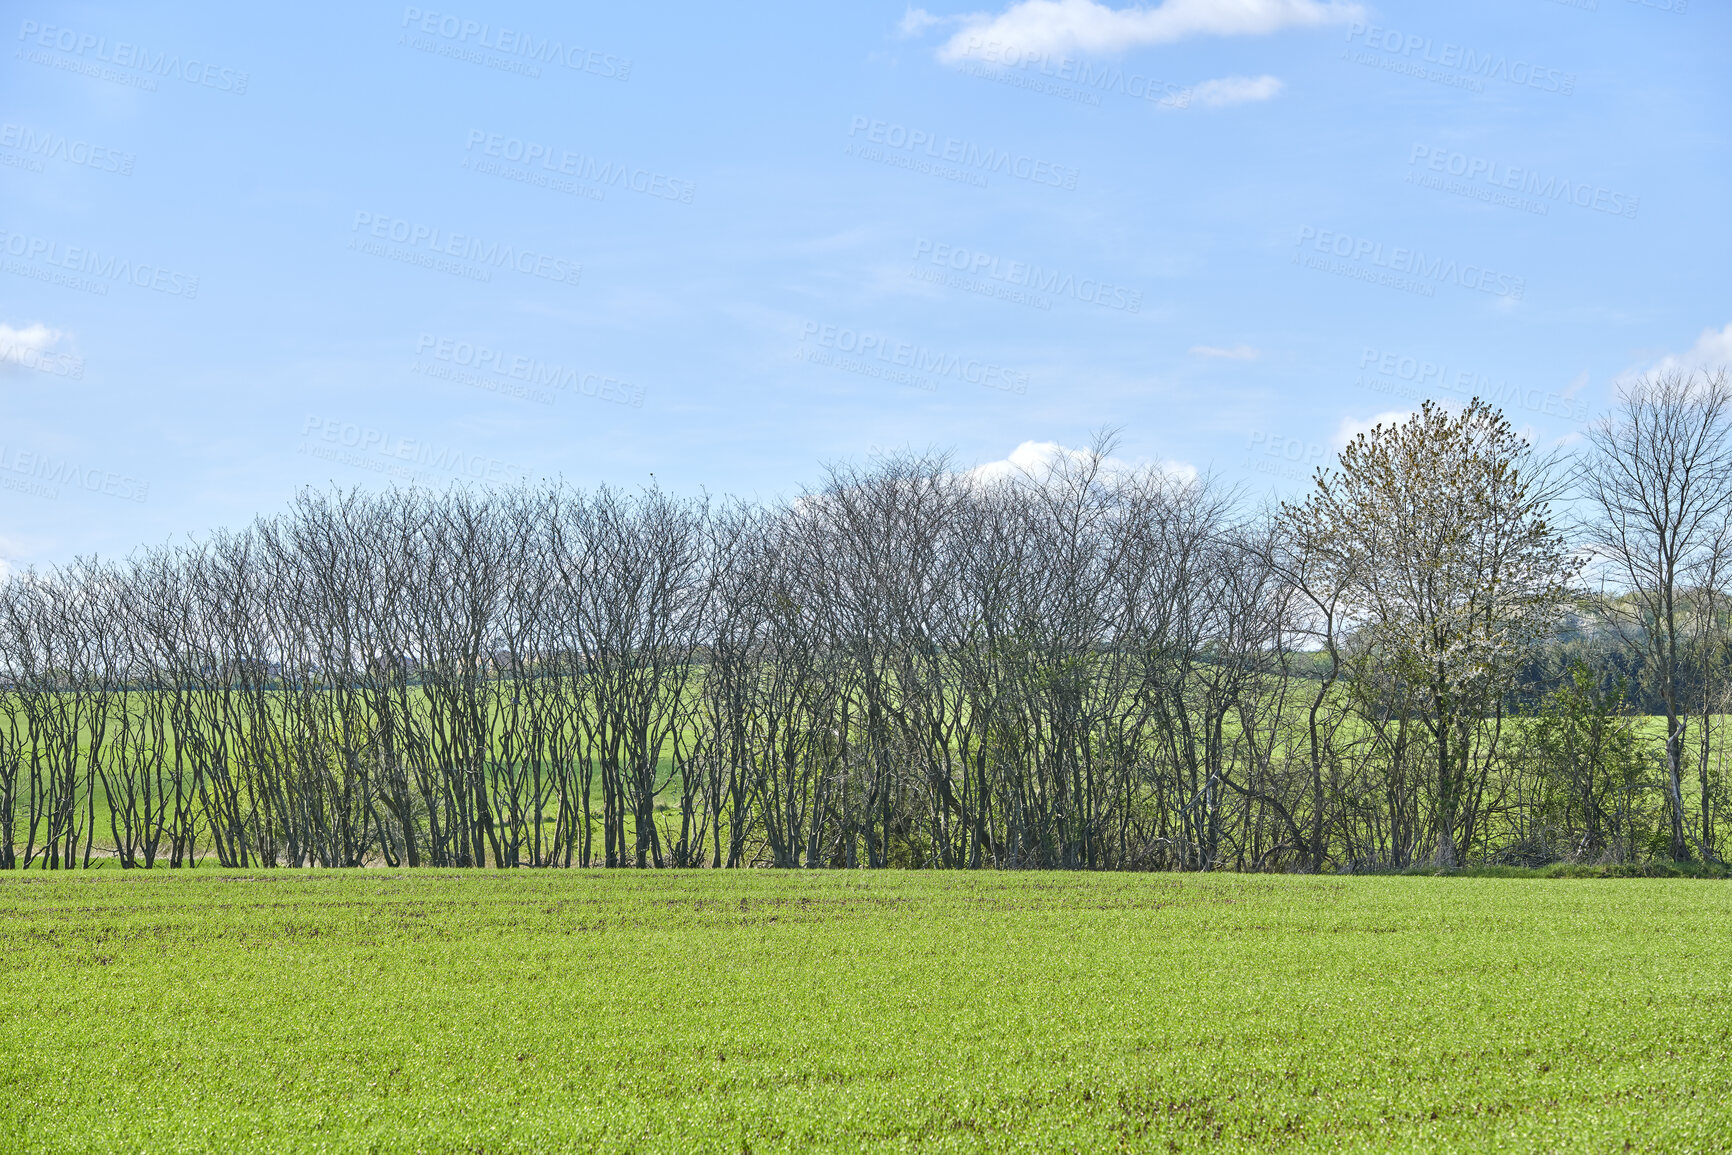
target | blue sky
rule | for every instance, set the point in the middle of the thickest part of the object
(713, 246)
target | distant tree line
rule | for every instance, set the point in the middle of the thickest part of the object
(1449, 650)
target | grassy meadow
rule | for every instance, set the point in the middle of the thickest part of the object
(735, 1011)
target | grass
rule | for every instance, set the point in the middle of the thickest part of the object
(1654, 868)
(734, 1011)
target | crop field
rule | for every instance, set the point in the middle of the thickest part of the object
(739, 1011)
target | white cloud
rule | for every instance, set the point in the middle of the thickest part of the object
(1029, 457)
(916, 21)
(1230, 90)
(35, 347)
(1179, 470)
(1033, 458)
(18, 343)
(1712, 350)
(1352, 427)
(1236, 353)
(1059, 26)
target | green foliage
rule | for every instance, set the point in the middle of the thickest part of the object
(449, 1011)
(1592, 767)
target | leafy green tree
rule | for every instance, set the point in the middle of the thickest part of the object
(1592, 760)
(1452, 567)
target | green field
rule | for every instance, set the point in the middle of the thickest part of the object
(735, 1011)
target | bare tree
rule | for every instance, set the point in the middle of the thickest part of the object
(1658, 486)
(1080, 665)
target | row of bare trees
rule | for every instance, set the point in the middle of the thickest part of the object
(1089, 666)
